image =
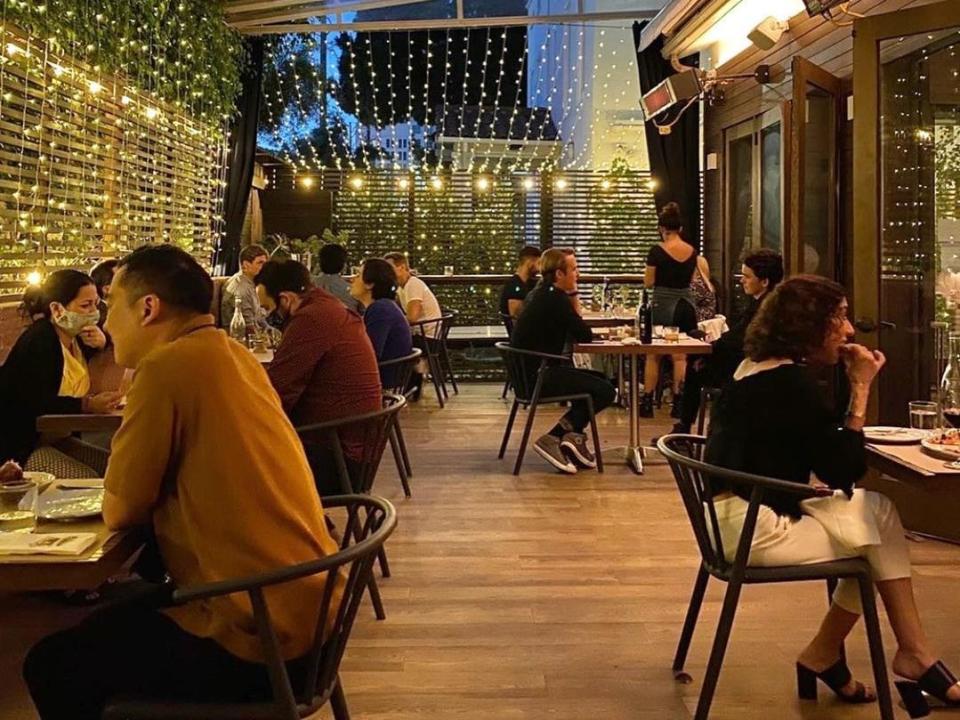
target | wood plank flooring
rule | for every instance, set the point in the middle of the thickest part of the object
(549, 596)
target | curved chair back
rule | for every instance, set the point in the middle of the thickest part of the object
(431, 329)
(696, 481)
(369, 522)
(399, 371)
(374, 428)
(524, 368)
(507, 320)
(449, 319)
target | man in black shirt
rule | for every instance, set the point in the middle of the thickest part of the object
(761, 272)
(516, 289)
(549, 321)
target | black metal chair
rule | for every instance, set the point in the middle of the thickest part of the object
(402, 369)
(507, 320)
(375, 429)
(370, 521)
(528, 395)
(694, 478)
(446, 367)
(427, 335)
(707, 397)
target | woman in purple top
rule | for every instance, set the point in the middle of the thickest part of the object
(375, 287)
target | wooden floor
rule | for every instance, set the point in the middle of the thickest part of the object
(550, 596)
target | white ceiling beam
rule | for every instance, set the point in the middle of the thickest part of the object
(325, 7)
(315, 10)
(447, 23)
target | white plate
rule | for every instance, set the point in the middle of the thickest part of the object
(946, 452)
(70, 504)
(889, 435)
(42, 479)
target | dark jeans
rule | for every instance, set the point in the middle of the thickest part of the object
(323, 463)
(563, 380)
(701, 373)
(133, 649)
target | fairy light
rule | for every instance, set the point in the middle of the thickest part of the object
(501, 72)
(524, 61)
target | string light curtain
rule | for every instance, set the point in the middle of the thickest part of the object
(111, 117)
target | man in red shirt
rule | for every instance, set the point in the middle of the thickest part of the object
(324, 368)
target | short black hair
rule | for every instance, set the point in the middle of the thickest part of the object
(171, 274)
(333, 258)
(766, 265)
(382, 276)
(102, 274)
(530, 251)
(252, 252)
(283, 275)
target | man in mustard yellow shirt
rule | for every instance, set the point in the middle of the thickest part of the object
(207, 456)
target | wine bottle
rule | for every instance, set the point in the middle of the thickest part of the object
(645, 320)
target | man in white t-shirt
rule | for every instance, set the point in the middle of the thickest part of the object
(416, 299)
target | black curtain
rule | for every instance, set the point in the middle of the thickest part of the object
(243, 151)
(674, 158)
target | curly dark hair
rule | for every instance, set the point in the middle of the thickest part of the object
(794, 320)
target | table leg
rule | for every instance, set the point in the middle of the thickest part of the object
(634, 454)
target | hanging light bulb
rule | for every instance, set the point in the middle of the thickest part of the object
(307, 182)
(560, 184)
(94, 87)
(436, 183)
(356, 182)
(483, 183)
(34, 277)
(403, 183)
(528, 183)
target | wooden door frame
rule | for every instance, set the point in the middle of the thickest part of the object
(806, 73)
(868, 33)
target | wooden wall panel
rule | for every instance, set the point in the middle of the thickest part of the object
(91, 167)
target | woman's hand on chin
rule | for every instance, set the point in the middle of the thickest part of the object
(862, 363)
(93, 337)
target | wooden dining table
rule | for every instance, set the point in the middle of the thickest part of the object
(107, 557)
(635, 453)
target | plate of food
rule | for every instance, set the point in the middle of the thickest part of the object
(943, 444)
(891, 435)
(63, 504)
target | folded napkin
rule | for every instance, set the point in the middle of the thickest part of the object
(46, 543)
(713, 328)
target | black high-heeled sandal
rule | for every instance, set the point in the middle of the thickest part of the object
(836, 677)
(935, 682)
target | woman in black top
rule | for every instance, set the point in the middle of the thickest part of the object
(771, 420)
(46, 371)
(670, 268)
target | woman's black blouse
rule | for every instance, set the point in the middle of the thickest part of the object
(30, 386)
(776, 424)
(671, 273)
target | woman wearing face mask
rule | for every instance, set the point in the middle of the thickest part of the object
(46, 372)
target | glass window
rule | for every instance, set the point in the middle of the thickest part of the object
(771, 200)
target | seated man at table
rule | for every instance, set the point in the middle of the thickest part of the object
(333, 258)
(416, 299)
(324, 367)
(761, 271)
(206, 455)
(549, 322)
(252, 258)
(516, 289)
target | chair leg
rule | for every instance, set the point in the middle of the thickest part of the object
(528, 426)
(398, 459)
(719, 649)
(448, 367)
(338, 702)
(403, 449)
(596, 436)
(689, 624)
(506, 389)
(384, 565)
(375, 598)
(509, 428)
(875, 640)
(435, 378)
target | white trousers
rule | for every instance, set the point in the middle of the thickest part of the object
(782, 540)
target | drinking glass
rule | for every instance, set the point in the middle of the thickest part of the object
(923, 414)
(596, 295)
(657, 332)
(624, 297)
(671, 333)
(448, 269)
(18, 506)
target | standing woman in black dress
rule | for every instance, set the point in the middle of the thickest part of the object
(670, 267)
(772, 420)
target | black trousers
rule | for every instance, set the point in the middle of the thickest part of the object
(701, 373)
(133, 649)
(564, 380)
